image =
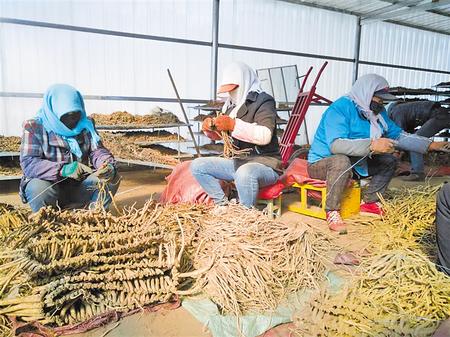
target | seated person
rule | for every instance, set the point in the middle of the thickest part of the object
(443, 228)
(57, 147)
(355, 131)
(409, 115)
(249, 115)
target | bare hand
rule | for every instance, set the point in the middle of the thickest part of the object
(439, 146)
(382, 145)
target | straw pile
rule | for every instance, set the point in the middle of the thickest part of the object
(397, 290)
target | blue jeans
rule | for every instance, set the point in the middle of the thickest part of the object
(68, 193)
(248, 178)
(440, 122)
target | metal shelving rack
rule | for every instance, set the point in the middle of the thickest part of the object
(445, 87)
(149, 128)
(199, 132)
(436, 93)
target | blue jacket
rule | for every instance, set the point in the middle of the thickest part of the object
(344, 120)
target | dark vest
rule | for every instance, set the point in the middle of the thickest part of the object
(259, 109)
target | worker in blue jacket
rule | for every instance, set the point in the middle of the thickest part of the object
(356, 137)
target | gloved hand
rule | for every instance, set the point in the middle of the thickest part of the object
(207, 124)
(106, 172)
(439, 146)
(75, 170)
(382, 145)
(224, 123)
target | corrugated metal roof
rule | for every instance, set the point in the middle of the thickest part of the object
(430, 15)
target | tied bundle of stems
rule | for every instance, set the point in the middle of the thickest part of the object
(230, 150)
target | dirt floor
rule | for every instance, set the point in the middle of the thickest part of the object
(137, 186)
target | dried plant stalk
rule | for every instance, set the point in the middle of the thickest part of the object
(258, 261)
(229, 149)
(397, 290)
(397, 293)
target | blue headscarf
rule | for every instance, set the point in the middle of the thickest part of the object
(60, 99)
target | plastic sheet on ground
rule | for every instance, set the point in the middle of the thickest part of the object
(205, 311)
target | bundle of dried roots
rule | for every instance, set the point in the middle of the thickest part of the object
(257, 260)
(397, 293)
(72, 265)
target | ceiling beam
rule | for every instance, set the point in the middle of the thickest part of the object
(344, 11)
(328, 8)
(394, 5)
(410, 10)
(400, 23)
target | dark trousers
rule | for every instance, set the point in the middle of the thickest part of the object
(443, 228)
(440, 122)
(335, 170)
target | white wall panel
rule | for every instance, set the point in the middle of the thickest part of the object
(32, 58)
(286, 26)
(172, 18)
(388, 43)
(405, 78)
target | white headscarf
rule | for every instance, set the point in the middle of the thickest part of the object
(362, 93)
(245, 77)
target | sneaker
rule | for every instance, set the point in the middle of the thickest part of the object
(414, 177)
(371, 207)
(335, 222)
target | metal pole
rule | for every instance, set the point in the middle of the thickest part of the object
(215, 48)
(184, 113)
(357, 49)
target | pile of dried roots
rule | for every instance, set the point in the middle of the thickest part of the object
(129, 150)
(10, 169)
(397, 290)
(123, 118)
(10, 144)
(63, 267)
(408, 222)
(258, 261)
(144, 137)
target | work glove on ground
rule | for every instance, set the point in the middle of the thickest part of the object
(75, 170)
(106, 172)
(224, 123)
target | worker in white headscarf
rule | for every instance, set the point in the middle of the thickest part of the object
(356, 133)
(249, 115)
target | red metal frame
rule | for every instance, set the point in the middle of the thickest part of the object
(298, 114)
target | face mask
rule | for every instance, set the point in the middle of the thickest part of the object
(71, 119)
(234, 96)
(376, 107)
